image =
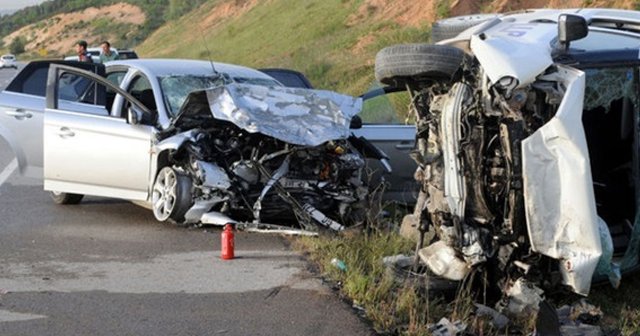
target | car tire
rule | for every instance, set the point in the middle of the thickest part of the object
(65, 198)
(171, 195)
(451, 27)
(401, 64)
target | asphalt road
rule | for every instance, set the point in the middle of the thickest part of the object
(106, 267)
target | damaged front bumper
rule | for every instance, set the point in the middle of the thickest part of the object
(258, 154)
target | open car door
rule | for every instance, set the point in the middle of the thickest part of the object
(22, 106)
(87, 149)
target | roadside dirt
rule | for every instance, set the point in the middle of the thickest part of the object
(58, 34)
(226, 10)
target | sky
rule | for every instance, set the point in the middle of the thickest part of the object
(17, 4)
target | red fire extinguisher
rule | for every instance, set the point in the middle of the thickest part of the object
(227, 243)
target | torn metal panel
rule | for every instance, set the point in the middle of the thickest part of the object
(442, 261)
(174, 142)
(454, 186)
(212, 175)
(200, 208)
(288, 114)
(524, 297)
(216, 218)
(515, 50)
(322, 218)
(559, 199)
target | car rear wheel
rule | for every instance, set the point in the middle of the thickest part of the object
(65, 198)
(171, 195)
(451, 27)
(403, 64)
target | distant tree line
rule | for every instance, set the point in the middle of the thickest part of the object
(157, 12)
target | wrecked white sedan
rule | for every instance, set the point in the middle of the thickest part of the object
(527, 146)
(200, 141)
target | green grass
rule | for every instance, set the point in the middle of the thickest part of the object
(392, 307)
(315, 37)
(621, 307)
(404, 308)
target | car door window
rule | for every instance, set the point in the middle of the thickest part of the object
(77, 93)
(31, 81)
(140, 88)
(390, 108)
(116, 77)
(75, 88)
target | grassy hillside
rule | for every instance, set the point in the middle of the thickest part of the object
(313, 36)
(334, 42)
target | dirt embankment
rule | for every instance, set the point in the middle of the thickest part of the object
(58, 34)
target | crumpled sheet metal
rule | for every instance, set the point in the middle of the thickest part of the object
(516, 50)
(559, 200)
(298, 116)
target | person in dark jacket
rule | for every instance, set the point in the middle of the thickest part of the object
(81, 49)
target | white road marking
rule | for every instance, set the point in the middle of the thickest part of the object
(7, 316)
(190, 272)
(8, 170)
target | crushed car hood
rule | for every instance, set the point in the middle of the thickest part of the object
(297, 116)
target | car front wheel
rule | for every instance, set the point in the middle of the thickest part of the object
(171, 195)
(65, 198)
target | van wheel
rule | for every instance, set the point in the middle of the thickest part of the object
(65, 198)
(403, 64)
(171, 195)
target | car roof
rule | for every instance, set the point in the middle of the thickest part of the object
(167, 67)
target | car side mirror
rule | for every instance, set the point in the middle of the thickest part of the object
(356, 122)
(570, 28)
(134, 115)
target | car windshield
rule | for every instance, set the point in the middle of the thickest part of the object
(176, 88)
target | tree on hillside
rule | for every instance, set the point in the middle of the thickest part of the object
(17, 45)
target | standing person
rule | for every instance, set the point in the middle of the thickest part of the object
(106, 54)
(81, 49)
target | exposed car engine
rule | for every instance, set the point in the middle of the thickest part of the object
(266, 159)
(478, 211)
(272, 180)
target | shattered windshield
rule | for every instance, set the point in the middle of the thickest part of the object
(176, 88)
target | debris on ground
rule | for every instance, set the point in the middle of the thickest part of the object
(584, 312)
(398, 261)
(339, 264)
(580, 319)
(523, 298)
(403, 267)
(447, 328)
(498, 320)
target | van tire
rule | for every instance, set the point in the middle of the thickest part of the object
(403, 64)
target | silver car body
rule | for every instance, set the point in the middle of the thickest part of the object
(80, 147)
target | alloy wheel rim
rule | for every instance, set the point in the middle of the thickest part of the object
(164, 194)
